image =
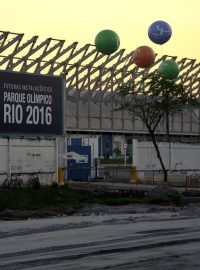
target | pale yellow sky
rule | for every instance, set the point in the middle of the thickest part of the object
(81, 20)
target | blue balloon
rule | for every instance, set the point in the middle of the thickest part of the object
(159, 32)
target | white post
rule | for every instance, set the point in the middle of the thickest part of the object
(134, 161)
(56, 159)
(101, 145)
(65, 150)
(135, 152)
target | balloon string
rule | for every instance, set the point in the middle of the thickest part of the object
(161, 51)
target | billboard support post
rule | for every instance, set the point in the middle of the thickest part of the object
(9, 156)
(56, 141)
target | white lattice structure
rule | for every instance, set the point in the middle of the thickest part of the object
(91, 80)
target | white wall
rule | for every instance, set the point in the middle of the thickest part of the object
(4, 167)
(28, 156)
(177, 156)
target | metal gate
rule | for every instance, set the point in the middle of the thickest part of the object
(78, 170)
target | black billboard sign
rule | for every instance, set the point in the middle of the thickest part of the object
(31, 104)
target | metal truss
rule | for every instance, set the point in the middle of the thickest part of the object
(89, 75)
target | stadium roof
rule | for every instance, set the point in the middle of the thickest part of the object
(88, 73)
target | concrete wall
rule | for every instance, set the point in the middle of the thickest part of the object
(102, 116)
(176, 156)
(26, 156)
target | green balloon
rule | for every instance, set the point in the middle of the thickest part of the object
(107, 42)
(168, 69)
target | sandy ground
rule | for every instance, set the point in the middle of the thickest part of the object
(105, 237)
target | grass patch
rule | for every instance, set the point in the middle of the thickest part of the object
(33, 199)
(47, 197)
(176, 199)
(28, 199)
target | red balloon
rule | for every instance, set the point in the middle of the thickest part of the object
(143, 56)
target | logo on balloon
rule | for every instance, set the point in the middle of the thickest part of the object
(159, 32)
(107, 42)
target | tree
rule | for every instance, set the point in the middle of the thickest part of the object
(153, 99)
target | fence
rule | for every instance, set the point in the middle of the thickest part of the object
(123, 174)
(179, 178)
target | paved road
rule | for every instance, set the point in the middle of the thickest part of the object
(135, 238)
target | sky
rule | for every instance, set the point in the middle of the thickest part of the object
(81, 20)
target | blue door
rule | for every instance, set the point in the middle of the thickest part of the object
(79, 171)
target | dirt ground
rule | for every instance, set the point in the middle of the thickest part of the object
(97, 237)
(191, 209)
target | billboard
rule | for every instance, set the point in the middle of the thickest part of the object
(31, 104)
